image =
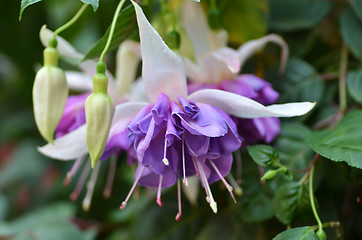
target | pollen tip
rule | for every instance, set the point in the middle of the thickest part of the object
(86, 205)
(213, 206)
(106, 194)
(178, 217)
(239, 191)
(159, 202)
(73, 197)
(67, 180)
(123, 205)
(186, 183)
(165, 161)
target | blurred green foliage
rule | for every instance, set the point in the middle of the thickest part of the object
(34, 203)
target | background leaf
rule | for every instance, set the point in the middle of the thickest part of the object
(250, 13)
(93, 3)
(25, 4)
(125, 25)
(264, 155)
(343, 143)
(351, 29)
(301, 233)
(300, 82)
(354, 83)
(292, 15)
(357, 7)
(288, 200)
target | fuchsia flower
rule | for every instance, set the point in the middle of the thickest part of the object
(218, 67)
(175, 135)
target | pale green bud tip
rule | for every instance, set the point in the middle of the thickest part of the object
(50, 93)
(51, 56)
(100, 83)
(99, 110)
(269, 174)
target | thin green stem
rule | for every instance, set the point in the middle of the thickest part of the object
(114, 21)
(71, 21)
(311, 196)
(342, 79)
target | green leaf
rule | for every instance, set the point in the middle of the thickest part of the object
(93, 3)
(351, 29)
(25, 4)
(4, 206)
(264, 155)
(357, 7)
(289, 199)
(38, 217)
(292, 15)
(250, 13)
(292, 146)
(354, 83)
(125, 25)
(257, 207)
(343, 143)
(300, 233)
(300, 82)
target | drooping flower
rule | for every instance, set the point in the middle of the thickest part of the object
(217, 67)
(175, 135)
(178, 135)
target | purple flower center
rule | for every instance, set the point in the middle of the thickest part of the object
(175, 138)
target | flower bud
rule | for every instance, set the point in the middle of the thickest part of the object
(321, 234)
(269, 174)
(99, 110)
(50, 93)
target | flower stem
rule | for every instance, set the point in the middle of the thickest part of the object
(342, 79)
(114, 21)
(71, 21)
(311, 196)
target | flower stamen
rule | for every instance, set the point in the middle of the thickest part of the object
(227, 185)
(159, 201)
(83, 177)
(90, 187)
(179, 214)
(237, 188)
(165, 160)
(124, 203)
(209, 198)
(73, 170)
(186, 183)
(110, 178)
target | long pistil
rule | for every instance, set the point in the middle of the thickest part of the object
(209, 198)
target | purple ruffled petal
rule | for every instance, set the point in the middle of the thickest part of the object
(73, 116)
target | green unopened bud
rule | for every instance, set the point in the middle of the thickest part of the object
(173, 40)
(269, 174)
(99, 111)
(321, 234)
(50, 93)
(214, 18)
